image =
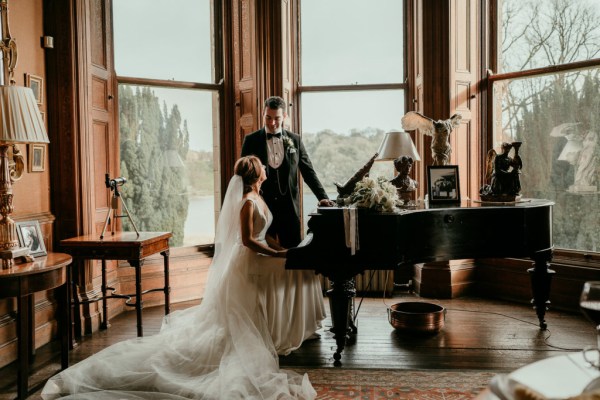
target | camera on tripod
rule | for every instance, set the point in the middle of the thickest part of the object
(113, 183)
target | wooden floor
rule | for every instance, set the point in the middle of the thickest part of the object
(479, 334)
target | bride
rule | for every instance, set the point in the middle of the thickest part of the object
(222, 348)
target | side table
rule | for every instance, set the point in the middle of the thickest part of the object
(22, 281)
(120, 246)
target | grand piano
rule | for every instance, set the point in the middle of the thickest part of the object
(426, 233)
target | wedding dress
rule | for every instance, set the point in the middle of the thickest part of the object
(220, 349)
(292, 301)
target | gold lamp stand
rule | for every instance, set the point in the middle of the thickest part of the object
(20, 122)
(9, 241)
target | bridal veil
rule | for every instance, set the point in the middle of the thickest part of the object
(220, 349)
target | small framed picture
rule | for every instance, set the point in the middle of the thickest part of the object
(443, 184)
(37, 157)
(30, 235)
(36, 83)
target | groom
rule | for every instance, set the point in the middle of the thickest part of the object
(283, 154)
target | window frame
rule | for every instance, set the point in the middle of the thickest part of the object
(217, 86)
(561, 255)
(300, 88)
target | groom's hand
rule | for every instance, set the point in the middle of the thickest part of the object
(326, 203)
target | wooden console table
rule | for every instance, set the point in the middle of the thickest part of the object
(22, 281)
(120, 246)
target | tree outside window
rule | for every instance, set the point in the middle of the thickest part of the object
(348, 48)
(167, 107)
(547, 95)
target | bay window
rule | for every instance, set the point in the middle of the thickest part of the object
(546, 94)
(168, 116)
(351, 85)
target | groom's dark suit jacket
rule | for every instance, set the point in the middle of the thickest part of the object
(284, 207)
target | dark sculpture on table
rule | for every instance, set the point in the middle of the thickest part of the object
(347, 188)
(502, 175)
(440, 130)
(404, 183)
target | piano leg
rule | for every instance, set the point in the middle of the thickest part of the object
(541, 278)
(340, 301)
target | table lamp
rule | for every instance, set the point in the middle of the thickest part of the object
(20, 122)
(399, 147)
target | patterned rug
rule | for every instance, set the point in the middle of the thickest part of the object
(374, 384)
(371, 384)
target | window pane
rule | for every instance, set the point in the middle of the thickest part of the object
(342, 131)
(352, 41)
(166, 140)
(557, 117)
(159, 40)
(537, 33)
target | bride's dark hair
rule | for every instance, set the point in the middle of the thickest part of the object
(249, 168)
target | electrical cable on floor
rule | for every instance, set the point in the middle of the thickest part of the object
(355, 316)
(520, 320)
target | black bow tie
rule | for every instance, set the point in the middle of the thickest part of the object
(272, 135)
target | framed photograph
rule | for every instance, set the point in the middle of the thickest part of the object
(30, 235)
(36, 83)
(37, 157)
(443, 184)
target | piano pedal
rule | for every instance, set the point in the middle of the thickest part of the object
(408, 287)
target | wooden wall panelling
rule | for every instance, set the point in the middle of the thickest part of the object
(286, 61)
(262, 63)
(32, 193)
(273, 38)
(507, 279)
(436, 62)
(292, 55)
(103, 130)
(83, 271)
(228, 142)
(464, 71)
(63, 126)
(25, 20)
(415, 97)
(188, 275)
(102, 141)
(450, 67)
(63, 123)
(44, 323)
(245, 69)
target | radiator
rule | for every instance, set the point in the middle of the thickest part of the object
(381, 281)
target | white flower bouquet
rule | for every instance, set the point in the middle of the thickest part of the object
(376, 194)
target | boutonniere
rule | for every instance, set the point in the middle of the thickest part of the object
(288, 144)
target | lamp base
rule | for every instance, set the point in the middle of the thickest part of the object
(18, 253)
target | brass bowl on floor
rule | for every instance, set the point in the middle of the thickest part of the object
(417, 317)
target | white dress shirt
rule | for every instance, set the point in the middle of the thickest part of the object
(275, 150)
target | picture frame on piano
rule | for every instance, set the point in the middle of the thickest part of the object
(443, 184)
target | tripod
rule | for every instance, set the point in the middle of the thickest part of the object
(114, 205)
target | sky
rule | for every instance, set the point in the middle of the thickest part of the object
(154, 41)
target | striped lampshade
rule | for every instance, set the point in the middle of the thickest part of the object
(20, 118)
